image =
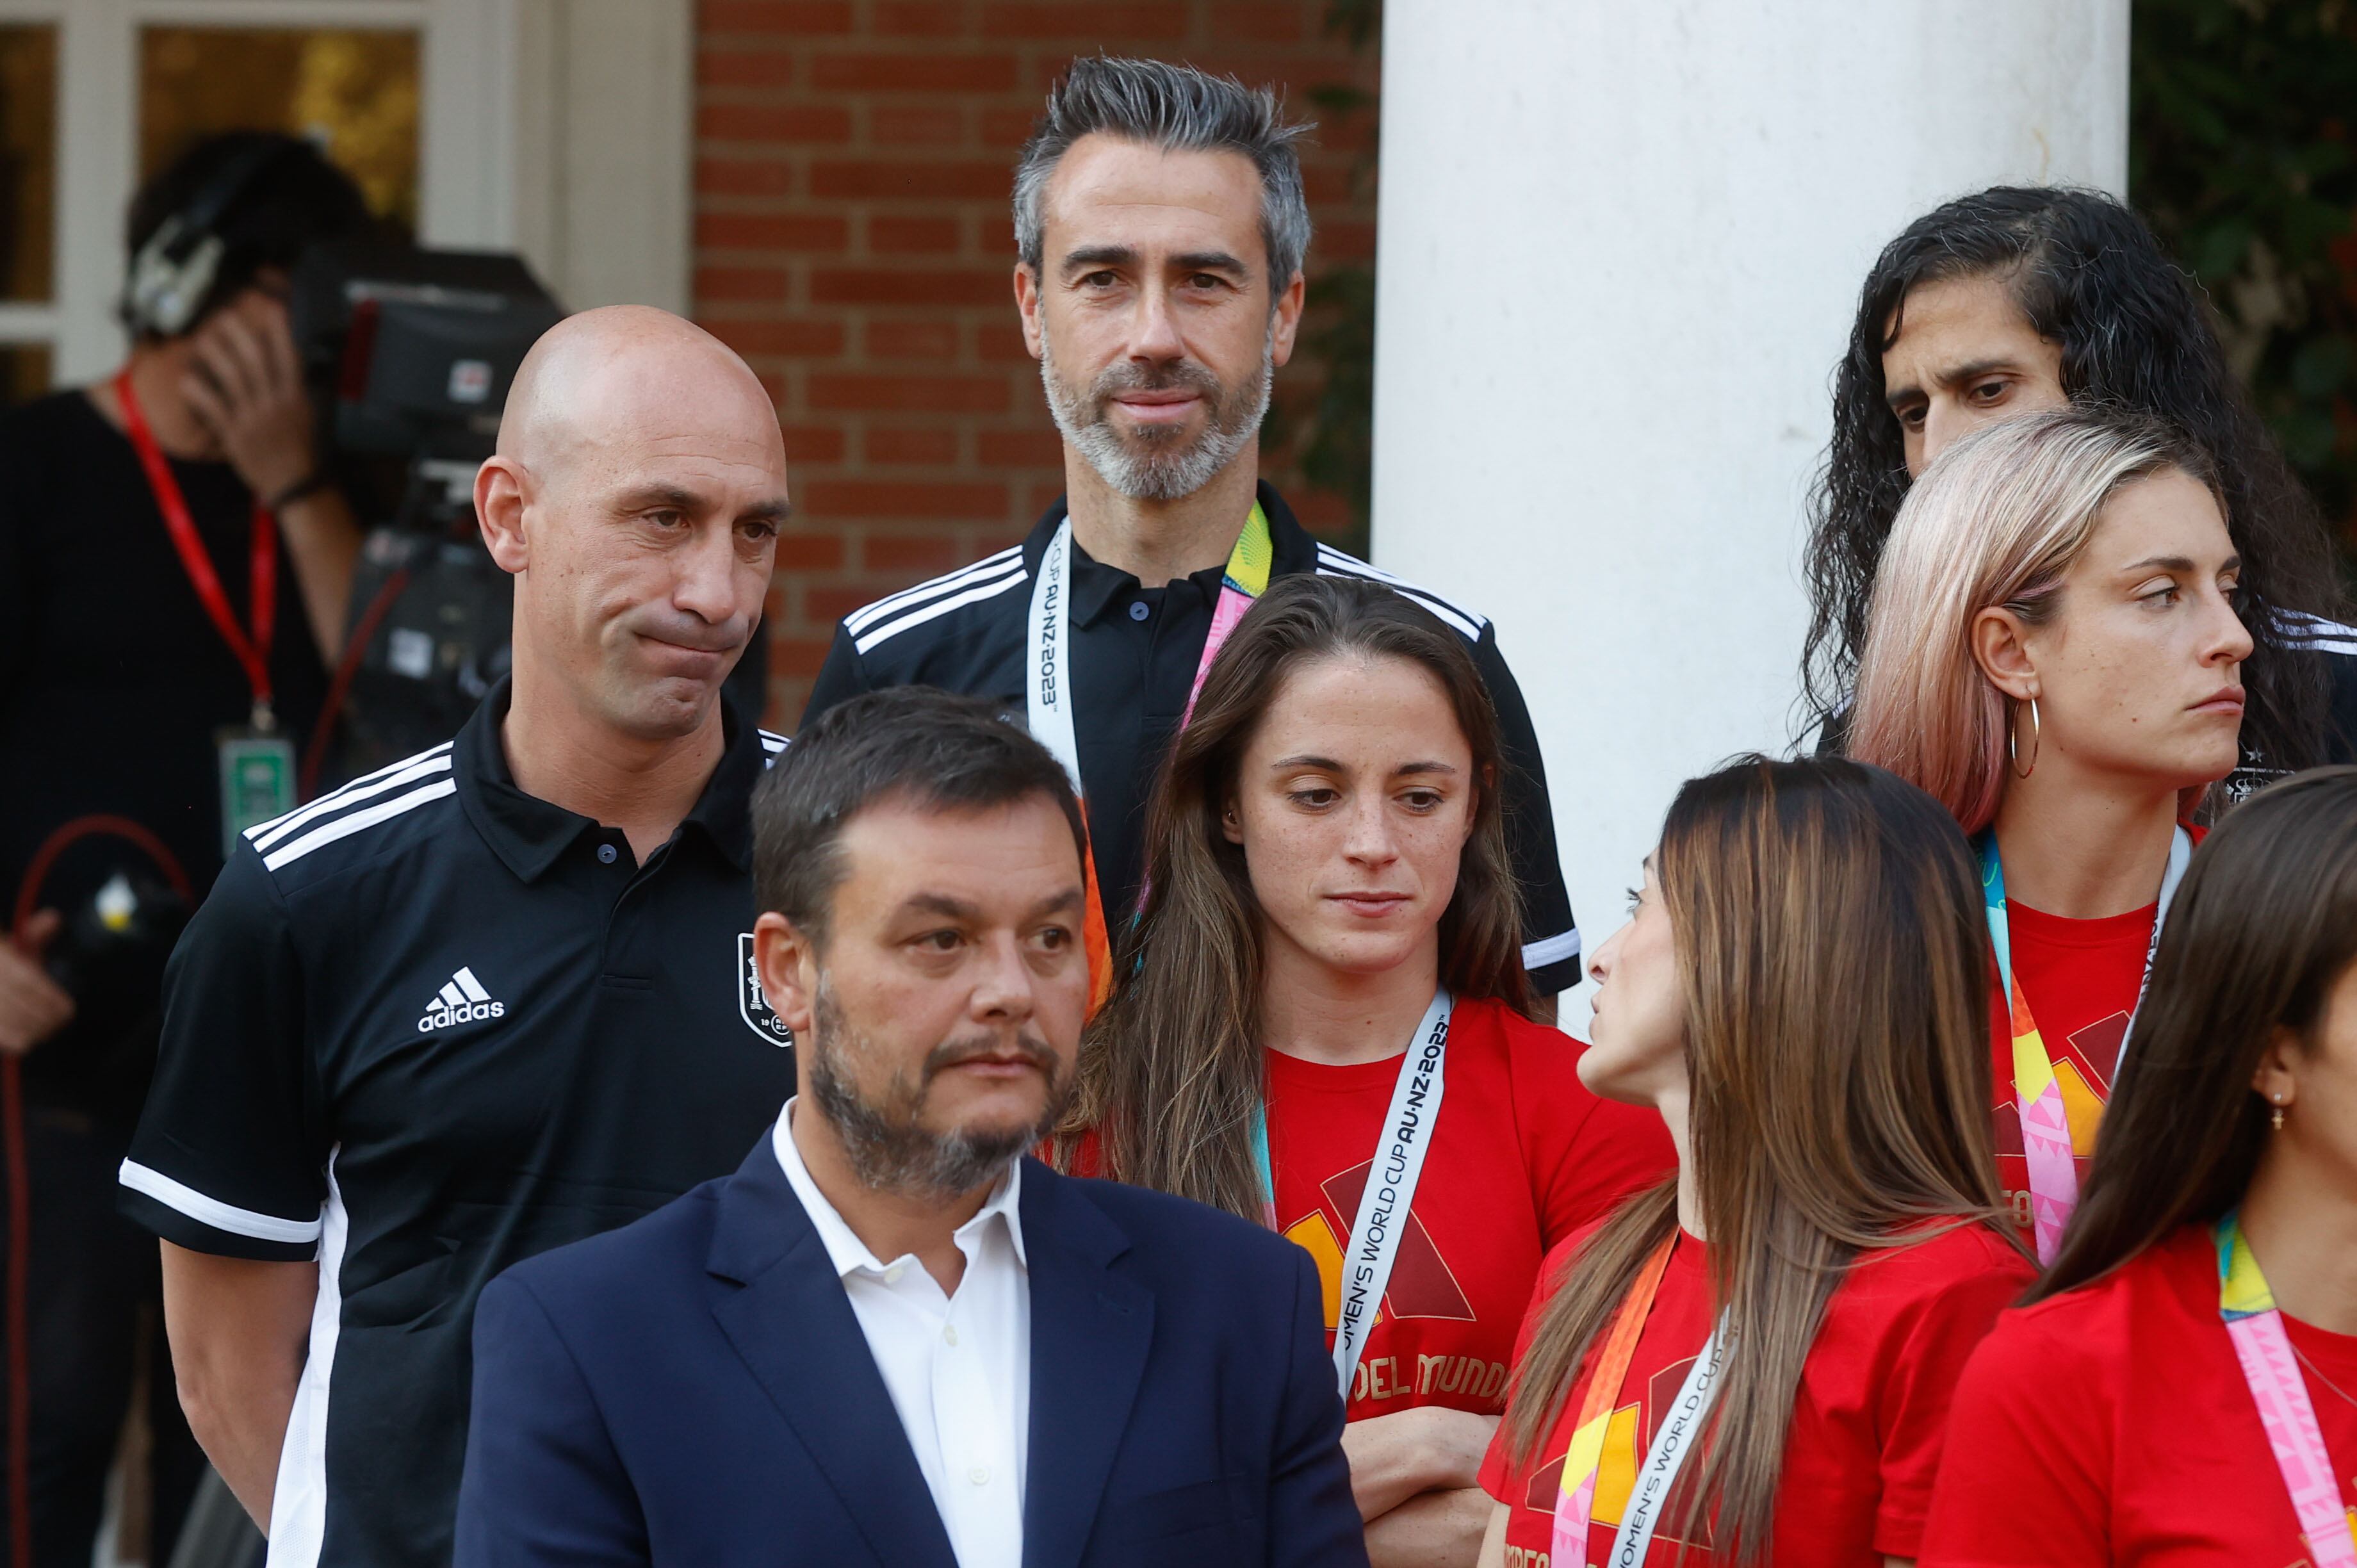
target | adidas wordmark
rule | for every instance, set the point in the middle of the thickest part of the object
(462, 1001)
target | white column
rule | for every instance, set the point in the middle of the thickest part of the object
(1620, 248)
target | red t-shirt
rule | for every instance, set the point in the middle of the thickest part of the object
(1867, 1427)
(1523, 1155)
(2111, 1424)
(2082, 979)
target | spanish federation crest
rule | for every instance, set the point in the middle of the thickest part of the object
(751, 1006)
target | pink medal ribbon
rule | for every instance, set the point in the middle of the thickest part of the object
(2257, 1327)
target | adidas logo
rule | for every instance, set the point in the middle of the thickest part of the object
(462, 1001)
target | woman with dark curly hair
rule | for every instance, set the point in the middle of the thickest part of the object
(2019, 299)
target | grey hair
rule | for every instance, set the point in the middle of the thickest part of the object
(1177, 109)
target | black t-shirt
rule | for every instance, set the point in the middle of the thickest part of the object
(1135, 650)
(113, 682)
(426, 1027)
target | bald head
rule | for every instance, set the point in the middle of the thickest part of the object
(636, 494)
(621, 369)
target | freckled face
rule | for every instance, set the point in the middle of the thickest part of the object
(1353, 802)
(2139, 671)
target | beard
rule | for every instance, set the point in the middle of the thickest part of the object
(888, 1147)
(1158, 463)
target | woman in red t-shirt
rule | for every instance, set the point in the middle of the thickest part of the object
(1320, 1021)
(1798, 995)
(2053, 651)
(2111, 1419)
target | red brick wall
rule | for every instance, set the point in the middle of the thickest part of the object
(853, 243)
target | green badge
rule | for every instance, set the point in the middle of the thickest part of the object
(257, 781)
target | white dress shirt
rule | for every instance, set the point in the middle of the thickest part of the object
(958, 1366)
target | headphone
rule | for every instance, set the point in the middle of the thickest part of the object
(174, 270)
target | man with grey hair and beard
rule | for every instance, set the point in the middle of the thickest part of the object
(891, 1338)
(1160, 231)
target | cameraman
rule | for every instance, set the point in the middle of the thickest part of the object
(173, 564)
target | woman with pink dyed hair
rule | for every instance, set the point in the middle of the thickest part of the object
(2053, 652)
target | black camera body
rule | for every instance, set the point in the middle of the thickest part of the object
(410, 354)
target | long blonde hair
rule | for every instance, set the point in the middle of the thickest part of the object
(1996, 521)
(1170, 1071)
(1831, 963)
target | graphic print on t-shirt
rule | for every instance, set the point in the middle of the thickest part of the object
(1625, 1439)
(2082, 1069)
(1421, 1284)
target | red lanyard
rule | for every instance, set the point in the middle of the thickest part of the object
(253, 649)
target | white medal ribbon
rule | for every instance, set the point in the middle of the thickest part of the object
(2180, 852)
(1046, 665)
(1674, 1441)
(1384, 1202)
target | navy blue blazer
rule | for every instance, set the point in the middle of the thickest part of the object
(695, 1389)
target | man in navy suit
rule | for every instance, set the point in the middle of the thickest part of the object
(891, 1337)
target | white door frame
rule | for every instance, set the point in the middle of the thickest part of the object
(521, 103)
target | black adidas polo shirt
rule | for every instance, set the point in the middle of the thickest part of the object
(1135, 649)
(425, 1027)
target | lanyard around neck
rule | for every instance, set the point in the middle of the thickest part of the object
(250, 649)
(2255, 1326)
(1049, 699)
(1676, 1435)
(1385, 1203)
(2046, 1139)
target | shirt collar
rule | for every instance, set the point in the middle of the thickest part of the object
(529, 833)
(1096, 588)
(845, 1250)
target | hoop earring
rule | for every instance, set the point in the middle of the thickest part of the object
(2012, 752)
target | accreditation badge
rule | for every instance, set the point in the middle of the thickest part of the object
(257, 781)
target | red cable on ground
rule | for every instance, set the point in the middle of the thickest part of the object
(355, 649)
(20, 1192)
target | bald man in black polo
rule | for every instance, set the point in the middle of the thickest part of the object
(493, 998)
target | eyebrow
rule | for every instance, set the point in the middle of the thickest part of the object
(941, 904)
(1210, 262)
(1949, 377)
(951, 908)
(1088, 256)
(1328, 765)
(773, 508)
(2178, 564)
(1099, 256)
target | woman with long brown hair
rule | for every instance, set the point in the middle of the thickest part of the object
(1320, 1021)
(1751, 1362)
(2054, 653)
(2181, 1387)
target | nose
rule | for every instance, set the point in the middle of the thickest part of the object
(1369, 840)
(1155, 337)
(1943, 422)
(1003, 984)
(707, 585)
(1600, 961)
(2229, 639)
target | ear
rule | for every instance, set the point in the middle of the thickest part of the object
(787, 961)
(1287, 323)
(503, 488)
(1232, 821)
(2276, 1079)
(1027, 305)
(2001, 648)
